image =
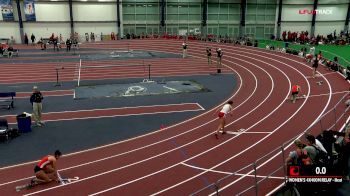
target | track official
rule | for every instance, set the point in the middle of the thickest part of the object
(36, 100)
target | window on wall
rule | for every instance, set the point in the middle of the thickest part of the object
(213, 11)
(260, 18)
(129, 8)
(234, 12)
(140, 16)
(223, 17)
(180, 15)
(260, 12)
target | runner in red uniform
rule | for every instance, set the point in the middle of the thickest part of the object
(295, 91)
(46, 169)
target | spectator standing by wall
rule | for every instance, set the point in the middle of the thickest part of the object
(219, 57)
(86, 37)
(184, 50)
(68, 44)
(26, 40)
(55, 44)
(209, 56)
(32, 37)
(311, 149)
(295, 157)
(91, 37)
(61, 39)
(36, 100)
(12, 40)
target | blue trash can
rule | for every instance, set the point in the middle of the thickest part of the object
(24, 123)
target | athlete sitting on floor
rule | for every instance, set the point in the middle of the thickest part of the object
(47, 167)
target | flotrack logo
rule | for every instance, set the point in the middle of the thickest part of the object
(323, 11)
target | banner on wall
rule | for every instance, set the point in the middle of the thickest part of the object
(29, 10)
(6, 10)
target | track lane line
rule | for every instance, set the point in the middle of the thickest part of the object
(113, 112)
(241, 103)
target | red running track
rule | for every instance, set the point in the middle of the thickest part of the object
(185, 157)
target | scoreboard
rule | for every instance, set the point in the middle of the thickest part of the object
(313, 174)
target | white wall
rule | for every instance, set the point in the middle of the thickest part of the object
(325, 23)
(52, 12)
(323, 28)
(312, 2)
(45, 30)
(94, 12)
(97, 28)
(332, 1)
(291, 13)
(338, 13)
(8, 29)
(296, 26)
(304, 2)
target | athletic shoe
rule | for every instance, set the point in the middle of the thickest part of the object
(216, 135)
(223, 132)
(32, 183)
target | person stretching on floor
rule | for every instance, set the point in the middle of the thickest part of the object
(46, 170)
(226, 109)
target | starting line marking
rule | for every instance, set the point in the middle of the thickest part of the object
(241, 131)
(319, 95)
(64, 181)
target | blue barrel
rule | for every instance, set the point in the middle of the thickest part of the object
(24, 123)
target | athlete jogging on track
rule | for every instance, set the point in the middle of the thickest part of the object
(226, 109)
(47, 167)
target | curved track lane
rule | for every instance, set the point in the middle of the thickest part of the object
(186, 157)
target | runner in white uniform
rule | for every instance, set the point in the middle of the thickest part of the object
(226, 109)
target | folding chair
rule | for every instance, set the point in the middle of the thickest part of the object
(4, 128)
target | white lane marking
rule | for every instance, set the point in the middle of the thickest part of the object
(108, 109)
(207, 122)
(299, 108)
(169, 88)
(149, 145)
(218, 145)
(228, 173)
